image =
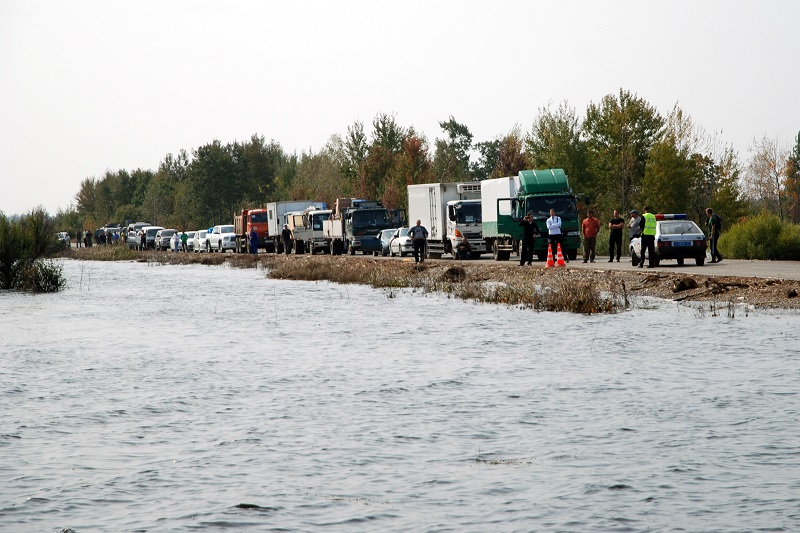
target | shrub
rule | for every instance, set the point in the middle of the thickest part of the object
(42, 276)
(761, 237)
(22, 243)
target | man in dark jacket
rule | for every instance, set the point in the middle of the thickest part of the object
(529, 230)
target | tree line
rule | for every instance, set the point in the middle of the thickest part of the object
(621, 152)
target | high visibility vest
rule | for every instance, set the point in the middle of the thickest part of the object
(649, 224)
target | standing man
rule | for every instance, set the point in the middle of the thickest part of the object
(418, 236)
(590, 227)
(287, 239)
(529, 229)
(554, 232)
(254, 240)
(184, 241)
(648, 238)
(634, 225)
(615, 238)
(714, 227)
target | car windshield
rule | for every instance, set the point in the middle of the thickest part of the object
(468, 214)
(679, 228)
(404, 232)
(167, 232)
(152, 232)
(202, 234)
(387, 233)
(226, 229)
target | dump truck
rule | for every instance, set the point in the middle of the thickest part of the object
(242, 224)
(354, 221)
(450, 212)
(276, 218)
(506, 200)
(306, 226)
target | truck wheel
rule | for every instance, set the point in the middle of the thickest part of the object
(495, 251)
(350, 249)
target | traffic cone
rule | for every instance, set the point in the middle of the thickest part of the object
(549, 263)
(560, 258)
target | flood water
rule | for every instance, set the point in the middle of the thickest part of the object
(198, 398)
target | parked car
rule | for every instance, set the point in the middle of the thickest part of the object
(221, 238)
(401, 243)
(200, 240)
(150, 234)
(676, 238)
(190, 240)
(63, 238)
(163, 239)
(372, 246)
(132, 232)
(385, 237)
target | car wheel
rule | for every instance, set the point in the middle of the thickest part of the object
(700, 260)
(220, 248)
(680, 261)
(634, 258)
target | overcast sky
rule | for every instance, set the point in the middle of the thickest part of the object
(89, 86)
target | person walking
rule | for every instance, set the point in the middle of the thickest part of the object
(554, 233)
(287, 239)
(529, 230)
(648, 238)
(418, 236)
(254, 240)
(714, 228)
(590, 227)
(615, 225)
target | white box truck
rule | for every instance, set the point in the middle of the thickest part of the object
(276, 218)
(450, 212)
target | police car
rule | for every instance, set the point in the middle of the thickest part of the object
(677, 238)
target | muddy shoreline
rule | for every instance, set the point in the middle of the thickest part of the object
(757, 292)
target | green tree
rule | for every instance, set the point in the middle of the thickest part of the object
(488, 159)
(555, 142)
(451, 160)
(511, 158)
(620, 131)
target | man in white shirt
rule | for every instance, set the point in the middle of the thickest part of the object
(554, 232)
(418, 236)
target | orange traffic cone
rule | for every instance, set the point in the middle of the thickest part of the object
(560, 258)
(549, 263)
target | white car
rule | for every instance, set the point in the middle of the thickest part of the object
(200, 240)
(221, 238)
(401, 243)
(63, 238)
(676, 238)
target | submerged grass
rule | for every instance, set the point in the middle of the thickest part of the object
(533, 289)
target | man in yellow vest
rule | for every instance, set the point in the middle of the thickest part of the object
(648, 238)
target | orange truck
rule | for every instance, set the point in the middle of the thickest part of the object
(244, 222)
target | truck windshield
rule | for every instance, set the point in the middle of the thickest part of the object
(258, 218)
(564, 206)
(468, 214)
(366, 218)
(316, 221)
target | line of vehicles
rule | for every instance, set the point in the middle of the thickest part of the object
(487, 214)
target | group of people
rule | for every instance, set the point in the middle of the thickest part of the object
(642, 226)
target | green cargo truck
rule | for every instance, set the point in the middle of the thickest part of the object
(506, 200)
